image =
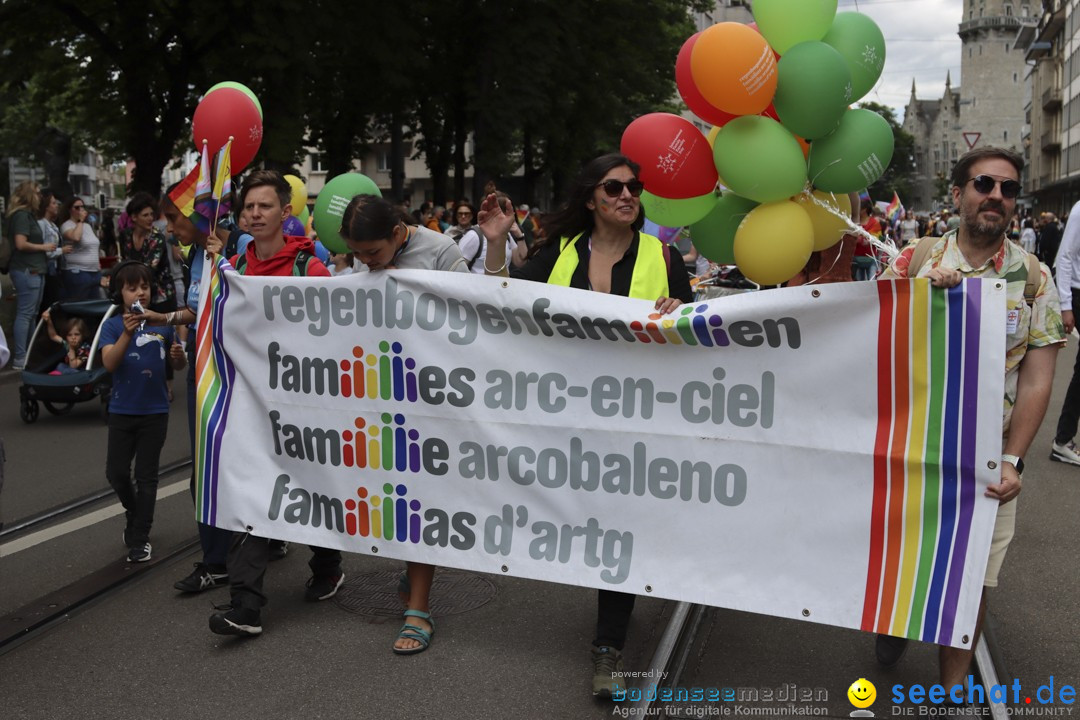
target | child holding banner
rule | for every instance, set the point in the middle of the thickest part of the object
(374, 231)
(594, 242)
(210, 572)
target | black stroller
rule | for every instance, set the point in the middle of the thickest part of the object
(59, 393)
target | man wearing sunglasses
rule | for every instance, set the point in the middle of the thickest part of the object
(985, 185)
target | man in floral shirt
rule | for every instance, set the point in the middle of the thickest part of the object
(985, 185)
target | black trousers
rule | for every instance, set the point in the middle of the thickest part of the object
(1070, 409)
(139, 438)
(613, 611)
(247, 561)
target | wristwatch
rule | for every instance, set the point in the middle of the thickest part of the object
(1016, 460)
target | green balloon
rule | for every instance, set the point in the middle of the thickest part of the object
(854, 156)
(812, 87)
(859, 41)
(758, 159)
(304, 215)
(714, 235)
(242, 88)
(786, 23)
(676, 213)
(331, 204)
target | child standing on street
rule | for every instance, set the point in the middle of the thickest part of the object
(136, 355)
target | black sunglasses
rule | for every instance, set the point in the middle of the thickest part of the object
(614, 188)
(984, 184)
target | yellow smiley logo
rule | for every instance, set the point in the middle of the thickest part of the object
(862, 693)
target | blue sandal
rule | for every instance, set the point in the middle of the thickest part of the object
(412, 632)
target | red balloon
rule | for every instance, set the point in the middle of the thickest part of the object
(675, 158)
(227, 113)
(688, 90)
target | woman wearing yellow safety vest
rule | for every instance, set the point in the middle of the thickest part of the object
(595, 243)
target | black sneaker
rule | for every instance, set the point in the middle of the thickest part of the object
(201, 578)
(889, 650)
(279, 549)
(236, 621)
(323, 587)
(606, 662)
(140, 552)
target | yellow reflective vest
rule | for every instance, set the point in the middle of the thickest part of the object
(648, 281)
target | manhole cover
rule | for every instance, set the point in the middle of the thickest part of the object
(375, 594)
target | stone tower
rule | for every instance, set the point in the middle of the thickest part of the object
(992, 71)
(988, 106)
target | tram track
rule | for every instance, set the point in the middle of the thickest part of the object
(32, 522)
(679, 638)
(58, 606)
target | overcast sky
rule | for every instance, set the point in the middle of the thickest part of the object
(920, 42)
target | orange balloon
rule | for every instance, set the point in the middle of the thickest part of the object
(804, 145)
(734, 68)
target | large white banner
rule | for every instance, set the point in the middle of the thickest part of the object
(815, 452)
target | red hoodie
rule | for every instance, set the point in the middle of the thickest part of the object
(282, 263)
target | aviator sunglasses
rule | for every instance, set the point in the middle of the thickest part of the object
(614, 188)
(984, 185)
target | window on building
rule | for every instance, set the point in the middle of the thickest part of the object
(318, 162)
(1006, 136)
(1008, 10)
(1014, 77)
(970, 50)
(1006, 48)
(384, 161)
(1025, 10)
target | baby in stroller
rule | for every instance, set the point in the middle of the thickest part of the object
(76, 342)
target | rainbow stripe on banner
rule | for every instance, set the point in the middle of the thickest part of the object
(924, 458)
(216, 376)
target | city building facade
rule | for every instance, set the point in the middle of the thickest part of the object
(1052, 150)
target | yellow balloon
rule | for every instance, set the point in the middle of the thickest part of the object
(828, 228)
(773, 242)
(712, 134)
(299, 194)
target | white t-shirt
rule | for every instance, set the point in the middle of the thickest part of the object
(909, 230)
(85, 257)
(468, 244)
(334, 272)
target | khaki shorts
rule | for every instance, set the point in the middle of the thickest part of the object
(1004, 527)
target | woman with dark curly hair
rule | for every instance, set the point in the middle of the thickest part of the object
(147, 244)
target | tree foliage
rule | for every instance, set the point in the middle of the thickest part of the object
(537, 84)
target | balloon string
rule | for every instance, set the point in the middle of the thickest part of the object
(853, 228)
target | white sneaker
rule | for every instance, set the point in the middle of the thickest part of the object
(1067, 453)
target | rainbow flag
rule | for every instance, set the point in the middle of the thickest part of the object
(892, 212)
(221, 195)
(215, 377)
(924, 458)
(204, 203)
(183, 196)
(522, 216)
